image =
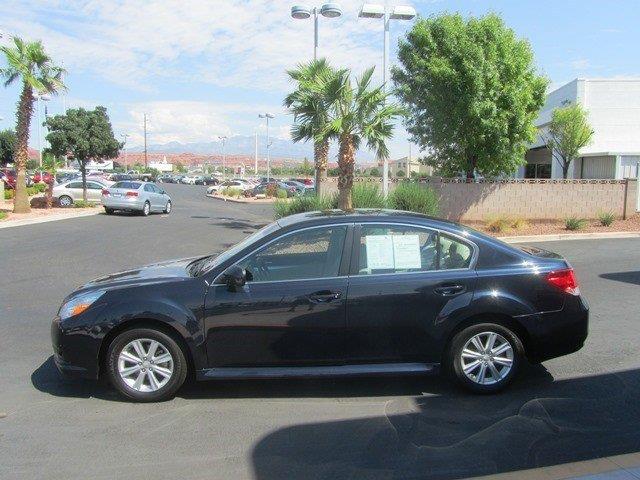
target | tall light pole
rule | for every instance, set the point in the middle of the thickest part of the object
(223, 139)
(146, 160)
(328, 10)
(255, 171)
(41, 97)
(268, 116)
(400, 12)
(124, 147)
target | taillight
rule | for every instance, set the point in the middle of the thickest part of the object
(105, 192)
(565, 280)
(132, 194)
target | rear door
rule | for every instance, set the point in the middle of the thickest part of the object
(94, 191)
(291, 312)
(405, 280)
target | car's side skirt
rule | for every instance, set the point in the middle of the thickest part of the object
(318, 371)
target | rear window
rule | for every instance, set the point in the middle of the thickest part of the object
(127, 185)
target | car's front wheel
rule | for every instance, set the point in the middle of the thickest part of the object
(167, 209)
(485, 358)
(146, 365)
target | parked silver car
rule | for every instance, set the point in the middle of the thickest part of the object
(137, 196)
(69, 192)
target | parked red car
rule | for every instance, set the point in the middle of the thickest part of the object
(9, 177)
(45, 177)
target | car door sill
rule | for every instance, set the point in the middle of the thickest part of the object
(318, 371)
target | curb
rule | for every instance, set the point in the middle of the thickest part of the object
(568, 236)
(237, 200)
(50, 218)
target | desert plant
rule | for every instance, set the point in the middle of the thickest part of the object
(606, 218)
(3, 215)
(498, 223)
(281, 193)
(413, 197)
(83, 204)
(519, 223)
(311, 203)
(232, 192)
(367, 195)
(271, 190)
(575, 223)
(8, 194)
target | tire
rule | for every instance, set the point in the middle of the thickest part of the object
(108, 211)
(146, 209)
(480, 377)
(65, 201)
(167, 209)
(152, 384)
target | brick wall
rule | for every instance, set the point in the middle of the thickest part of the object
(530, 199)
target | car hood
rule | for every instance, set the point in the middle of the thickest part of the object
(169, 270)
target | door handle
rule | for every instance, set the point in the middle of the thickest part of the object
(449, 290)
(324, 296)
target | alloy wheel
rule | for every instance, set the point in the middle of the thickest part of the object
(145, 365)
(487, 358)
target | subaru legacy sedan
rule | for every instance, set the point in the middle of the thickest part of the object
(135, 196)
(327, 294)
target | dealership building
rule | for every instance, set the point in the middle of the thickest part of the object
(613, 106)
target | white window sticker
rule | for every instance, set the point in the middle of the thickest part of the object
(406, 252)
(379, 252)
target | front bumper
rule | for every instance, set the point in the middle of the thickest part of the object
(74, 355)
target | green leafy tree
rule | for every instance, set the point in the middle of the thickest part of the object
(569, 132)
(374, 172)
(472, 93)
(311, 112)
(32, 164)
(180, 168)
(51, 164)
(358, 114)
(8, 143)
(84, 135)
(28, 63)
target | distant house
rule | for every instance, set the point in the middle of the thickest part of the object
(613, 106)
(408, 165)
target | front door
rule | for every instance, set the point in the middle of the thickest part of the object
(404, 281)
(291, 312)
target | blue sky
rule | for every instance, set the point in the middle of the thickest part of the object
(200, 69)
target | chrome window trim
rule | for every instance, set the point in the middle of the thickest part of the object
(346, 224)
(474, 248)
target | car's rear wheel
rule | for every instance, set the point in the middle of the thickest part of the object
(146, 365)
(167, 209)
(108, 211)
(146, 209)
(485, 358)
(65, 201)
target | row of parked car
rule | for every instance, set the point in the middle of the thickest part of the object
(188, 179)
(261, 186)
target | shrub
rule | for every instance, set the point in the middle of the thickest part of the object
(367, 195)
(498, 224)
(519, 223)
(281, 193)
(606, 218)
(282, 208)
(271, 190)
(83, 204)
(3, 215)
(31, 191)
(575, 223)
(8, 194)
(231, 192)
(40, 187)
(414, 198)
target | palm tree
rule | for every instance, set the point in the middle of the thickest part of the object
(357, 114)
(310, 113)
(28, 62)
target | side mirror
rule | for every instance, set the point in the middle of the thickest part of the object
(234, 277)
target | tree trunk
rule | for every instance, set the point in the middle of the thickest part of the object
(565, 169)
(83, 169)
(346, 161)
(471, 169)
(25, 110)
(320, 154)
(50, 194)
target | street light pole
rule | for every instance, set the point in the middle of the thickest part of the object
(255, 171)
(224, 157)
(124, 147)
(328, 10)
(268, 116)
(401, 12)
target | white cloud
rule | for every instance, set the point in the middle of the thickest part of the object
(580, 64)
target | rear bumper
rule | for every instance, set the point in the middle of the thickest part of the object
(554, 334)
(123, 203)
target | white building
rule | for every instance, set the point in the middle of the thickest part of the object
(613, 106)
(162, 166)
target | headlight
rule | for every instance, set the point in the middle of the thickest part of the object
(79, 304)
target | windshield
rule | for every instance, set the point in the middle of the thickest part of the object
(207, 263)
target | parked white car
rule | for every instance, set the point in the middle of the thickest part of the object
(69, 192)
(189, 180)
(229, 184)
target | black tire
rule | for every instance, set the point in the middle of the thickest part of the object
(65, 201)
(146, 209)
(167, 391)
(108, 211)
(167, 208)
(454, 359)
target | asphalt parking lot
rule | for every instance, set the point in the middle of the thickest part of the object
(579, 407)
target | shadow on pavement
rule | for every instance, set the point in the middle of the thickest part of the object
(625, 277)
(454, 435)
